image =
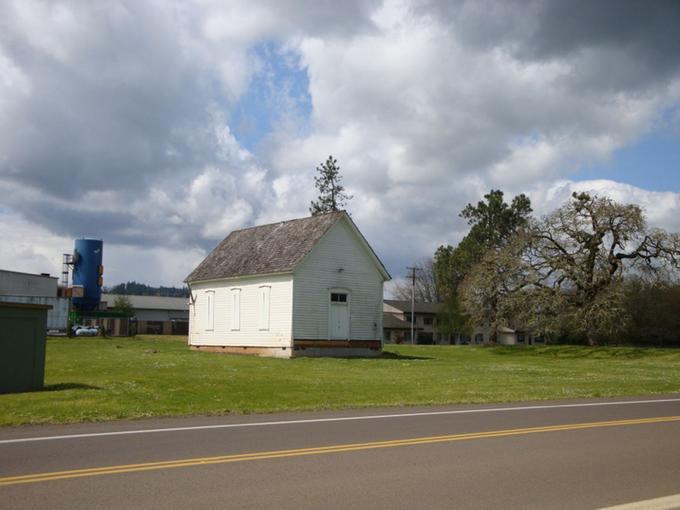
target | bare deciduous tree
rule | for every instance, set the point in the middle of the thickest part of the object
(426, 286)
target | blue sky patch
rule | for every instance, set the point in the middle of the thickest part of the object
(277, 97)
(653, 162)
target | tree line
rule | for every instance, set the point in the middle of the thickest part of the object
(592, 271)
(134, 288)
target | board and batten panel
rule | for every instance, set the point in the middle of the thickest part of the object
(249, 332)
(338, 261)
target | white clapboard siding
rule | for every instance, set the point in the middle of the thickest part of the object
(250, 330)
(338, 261)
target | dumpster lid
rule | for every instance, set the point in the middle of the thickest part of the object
(31, 306)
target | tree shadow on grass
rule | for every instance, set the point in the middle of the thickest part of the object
(69, 386)
(401, 357)
(383, 356)
(573, 352)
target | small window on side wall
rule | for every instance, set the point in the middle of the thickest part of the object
(235, 309)
(264, 298)
(210, 306)
(338, 297)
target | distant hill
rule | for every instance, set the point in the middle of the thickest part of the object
(141, 289)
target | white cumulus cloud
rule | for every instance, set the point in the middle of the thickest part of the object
(117, 118)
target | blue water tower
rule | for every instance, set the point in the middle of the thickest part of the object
(88, 271)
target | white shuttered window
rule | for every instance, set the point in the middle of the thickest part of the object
(264, 294)
(235, 309)
(210, 305)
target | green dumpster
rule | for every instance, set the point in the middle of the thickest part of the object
(23, 329)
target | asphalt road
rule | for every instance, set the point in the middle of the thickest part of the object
(567, 454)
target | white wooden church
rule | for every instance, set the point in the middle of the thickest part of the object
(304, 287)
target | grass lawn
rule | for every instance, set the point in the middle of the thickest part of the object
(98, 379)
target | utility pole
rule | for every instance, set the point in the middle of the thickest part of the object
(413, 301)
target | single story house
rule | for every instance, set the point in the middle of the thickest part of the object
(308, 286)
(509, 336)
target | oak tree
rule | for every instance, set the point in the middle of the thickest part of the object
(566, 271)
(425, 290)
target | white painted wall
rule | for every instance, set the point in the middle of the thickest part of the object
(320, 272)
(251, 330)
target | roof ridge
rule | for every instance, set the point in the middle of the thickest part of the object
(277, 247)
(288, 221)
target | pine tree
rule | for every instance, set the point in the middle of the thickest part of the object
(332, 196)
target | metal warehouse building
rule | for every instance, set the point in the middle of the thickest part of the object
(156, 315)
(36, 289)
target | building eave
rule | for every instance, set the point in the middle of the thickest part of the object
(239, 277)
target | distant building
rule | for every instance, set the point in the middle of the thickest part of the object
(397, 322)
(397, 328)
(155, 315)
(39, 289)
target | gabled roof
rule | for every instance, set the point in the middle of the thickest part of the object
(405, 306)
(275, 248)
(390, 321)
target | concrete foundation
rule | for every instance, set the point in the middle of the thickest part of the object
(337, 352)
(303, 348)
(271, 352)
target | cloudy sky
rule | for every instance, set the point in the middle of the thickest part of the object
(162, 126)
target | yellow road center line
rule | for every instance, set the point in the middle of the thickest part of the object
(223, 459)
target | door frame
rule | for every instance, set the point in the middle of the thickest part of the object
(348, 293)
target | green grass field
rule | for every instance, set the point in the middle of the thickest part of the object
(103, 379)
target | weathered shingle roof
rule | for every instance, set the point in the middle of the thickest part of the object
(273, 248)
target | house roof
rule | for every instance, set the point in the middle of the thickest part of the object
(503, 329)
(274, 248)
(39, 275)
(405, 306)
(391, 321)
(151, 302)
